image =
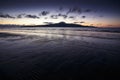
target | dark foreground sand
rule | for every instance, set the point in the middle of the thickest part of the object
(58, 58)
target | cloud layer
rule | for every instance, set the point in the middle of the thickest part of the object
(6, 16)
(32, 16)
(69, 13)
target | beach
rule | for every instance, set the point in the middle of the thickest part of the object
(59, 54)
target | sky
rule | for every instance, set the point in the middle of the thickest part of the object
(100, 13)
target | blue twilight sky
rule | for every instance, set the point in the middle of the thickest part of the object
(101, 13)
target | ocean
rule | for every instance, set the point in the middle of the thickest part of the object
(59, 53)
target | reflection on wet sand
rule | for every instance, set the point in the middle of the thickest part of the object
(58, 54)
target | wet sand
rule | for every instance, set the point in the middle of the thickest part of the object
(30, 57)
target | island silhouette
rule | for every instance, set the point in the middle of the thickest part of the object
(60, 24)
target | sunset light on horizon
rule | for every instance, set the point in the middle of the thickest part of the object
(77, 12)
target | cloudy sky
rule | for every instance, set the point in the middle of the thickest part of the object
(101, 13)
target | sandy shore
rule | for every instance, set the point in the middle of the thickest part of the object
(29, 57)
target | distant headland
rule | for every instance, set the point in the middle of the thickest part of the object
(60, 24)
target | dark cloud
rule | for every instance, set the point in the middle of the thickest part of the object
(62, 15)
(44, 13)
(72, 17)
(74, 10)
(54, 16)
(59, 14)
(21, 15)
(6, 16)
(82, 22)
(31, 16)
(76, 22)
(48, 23)
(83, 17)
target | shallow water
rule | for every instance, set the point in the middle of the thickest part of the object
(59, 54)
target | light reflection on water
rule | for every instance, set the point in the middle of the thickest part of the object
(66, 33)
(47, 47)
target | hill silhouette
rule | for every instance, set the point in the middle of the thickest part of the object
(60, 24)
